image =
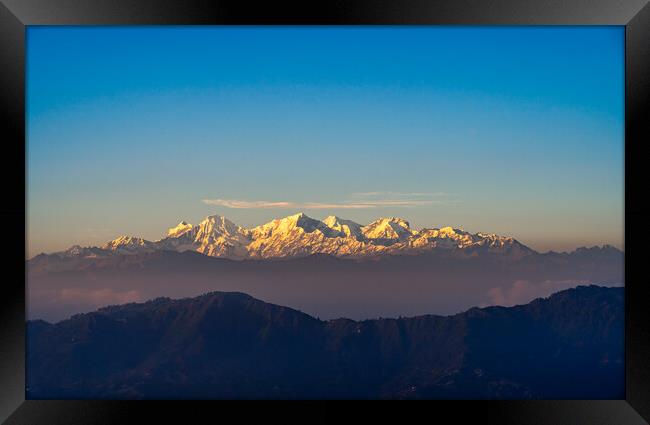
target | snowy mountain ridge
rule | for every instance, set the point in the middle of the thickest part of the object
(299, 235)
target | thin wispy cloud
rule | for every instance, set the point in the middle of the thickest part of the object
(240, 204)
(400, 194)
(376, 201)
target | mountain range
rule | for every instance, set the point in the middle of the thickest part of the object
(230, 345)
(329, 268)
(299, 236)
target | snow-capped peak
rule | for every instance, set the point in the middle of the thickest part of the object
(452, 232)
(179, 229)
(298, 222)
(388, 228)
(216, 225)
(74, 250)
(346, 227)
(331, 220)
(124, 243)
(296, 217)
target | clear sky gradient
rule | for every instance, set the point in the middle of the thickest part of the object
(517, 131)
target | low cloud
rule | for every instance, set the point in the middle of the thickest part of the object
(98, 297)
(371, 200)
(524, 291)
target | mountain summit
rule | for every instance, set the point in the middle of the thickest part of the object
(181, 228)
(391, 229)
(348, 227)
(299, 235)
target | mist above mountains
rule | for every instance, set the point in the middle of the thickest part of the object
(321, 285)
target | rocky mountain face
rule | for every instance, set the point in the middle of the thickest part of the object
(230, 345)
(299, 235)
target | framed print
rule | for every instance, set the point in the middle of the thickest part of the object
(436, 201)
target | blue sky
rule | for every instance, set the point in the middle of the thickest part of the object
(512, 130)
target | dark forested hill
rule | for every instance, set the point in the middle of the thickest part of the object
(230, 345)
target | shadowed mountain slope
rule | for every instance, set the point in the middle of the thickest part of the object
(230, 345)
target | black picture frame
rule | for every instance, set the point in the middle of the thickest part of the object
(16, 15)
